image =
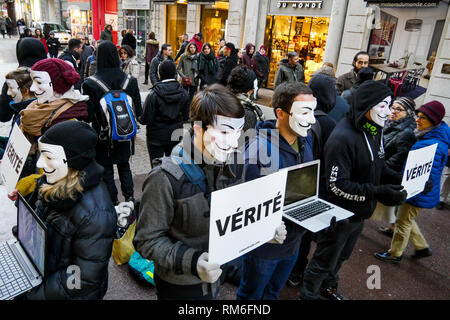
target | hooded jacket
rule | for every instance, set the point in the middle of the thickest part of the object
(286, 72)
(226, 64)
(154, 78)
(181, 50)
(261, 66)
(354, 156)
(130, 40)
(265, 154)
(151, 50)
(28, 52)
(165, 110)
(106, 34)
(198, 43)
(441, 136)
(80, 232)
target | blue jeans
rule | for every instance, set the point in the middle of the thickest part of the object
(262, 279)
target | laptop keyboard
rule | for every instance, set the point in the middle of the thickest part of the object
(12, 278)
(309, 210)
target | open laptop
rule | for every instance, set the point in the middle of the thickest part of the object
(22, 260)
(301, 202)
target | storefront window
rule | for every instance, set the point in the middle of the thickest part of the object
(213, 23)
(176, 25)
(380, 44)
(80, 21)
(305, 35)
(136, 21)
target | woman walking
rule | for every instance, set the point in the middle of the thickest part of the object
(208, 66)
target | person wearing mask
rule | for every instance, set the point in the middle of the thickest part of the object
(347, 80)
(165, 53)
(430, 130)
(266, 269)
(198, 40)
(151, 50)
(227, 63)
(165, 109)
(130, 65)
(110, 153)
(208, 66)
(356, 177)
(129, 39)
(72, 54)
(75, 207)
(262, 66)
(38, 35)
(187, 68)
(177, 242)
(53, 45)
(289, 70)
(106, 34)
(85, 52)
(398, 138)
(184, 43)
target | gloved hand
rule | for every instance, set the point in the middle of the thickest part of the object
(332, 226)
(390, 194)
(208, 272)
(280, 234)
(124, 209)
(428, 186)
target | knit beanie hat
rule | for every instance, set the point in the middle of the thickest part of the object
(434, 110)
(167, 69)
(407, 103)
(63, 75)
(78, 140)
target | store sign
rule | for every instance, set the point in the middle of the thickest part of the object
(403, 3)
(136, 4)
(301, 7)
(300, 4)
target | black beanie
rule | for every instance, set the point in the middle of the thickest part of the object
(167, 69)
(78, 140)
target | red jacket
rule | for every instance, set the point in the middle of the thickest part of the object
(198, 43)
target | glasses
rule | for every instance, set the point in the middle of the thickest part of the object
(397, 109)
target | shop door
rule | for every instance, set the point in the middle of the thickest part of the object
(213, 23)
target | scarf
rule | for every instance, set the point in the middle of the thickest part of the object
(206, 62)
(420, 133)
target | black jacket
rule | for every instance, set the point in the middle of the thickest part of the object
(354, 158)
(154, 67)
(262, 66)
(207, 68)
(226, 64)
(182, 50)
(70, 56)
(165, 109)
(53, 45)
(130, 40)
(80, 232)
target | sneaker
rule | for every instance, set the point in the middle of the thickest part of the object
(422, 253)
(386, 231)
(294, 280)
(331, 294)
(386, 256)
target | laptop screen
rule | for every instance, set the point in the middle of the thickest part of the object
(301, 184)
(31, 236)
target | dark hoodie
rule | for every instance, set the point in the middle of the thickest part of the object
(154, 78)
(165, 110)
(226, 64)
(129, 39)
(106, 34)
(28, 52)
(354, 156)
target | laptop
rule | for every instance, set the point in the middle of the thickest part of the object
(22, 260)
(301, 202)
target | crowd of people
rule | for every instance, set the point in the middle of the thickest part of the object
(81, 111)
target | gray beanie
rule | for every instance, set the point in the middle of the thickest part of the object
(407, 103)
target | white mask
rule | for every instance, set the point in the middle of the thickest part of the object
(53, 161)
(222, 139)
(380, 112)
(14, 90)
(42, 86)
(302, 116)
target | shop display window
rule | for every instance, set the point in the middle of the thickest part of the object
(213, 23)
(380, 44)
(176, 25)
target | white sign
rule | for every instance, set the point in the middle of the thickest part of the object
(417, 169)
(136, 4)
(14, 158)
(245, 216)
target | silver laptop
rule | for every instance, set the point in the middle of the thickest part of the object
(301, 202)
(22, 261)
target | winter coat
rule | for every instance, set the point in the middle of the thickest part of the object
(70, 56)
(253, 113)
(441, 136)
(345, 81)
(2, 25)
(354, 158)
(198, 43)
(182, 50)
(258, 163)
(106, 34)
(165, 109)
(262, 66)
(154, 67)
(173, 225)
(340, 109)
(286, 72)
(85, 54)
(398, 140)
(130, 40)
(80, 232)
(151, 50)
(53, 45)
(208, 66)
(132, 67)
(226, 64)
(188, 66)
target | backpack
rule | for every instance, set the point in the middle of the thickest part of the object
(118, 122)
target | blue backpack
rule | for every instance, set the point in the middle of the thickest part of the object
(118, 122)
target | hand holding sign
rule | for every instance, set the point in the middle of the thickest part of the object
(280, 234)
(390, 194)
(208, 272)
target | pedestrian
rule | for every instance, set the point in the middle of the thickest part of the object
(173, 225)
(21, 25)
(74, 205)
(222, 43)
(267, 268)
(262, 66)
(430, 130)
(130, 65)
(106, 34)
(91, 62)
(53, 45)
(227, 63)
(356, 177)
(208, 66)
(9, 26)
(327, 69)
(110, 153)
(72, 54)
(398, 138)
(247, 57)
(198, 40)
(129, 39)
(184, 43)
(151, 50)
(289, 69)
(163, 54)
(165, 109)
(27, 33)
(38, 35)
(347, 80)
(364, 74)
(445, 185)
(85, 51)
(3, 30)
(187, 68)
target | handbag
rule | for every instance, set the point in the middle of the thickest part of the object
(186, 81)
